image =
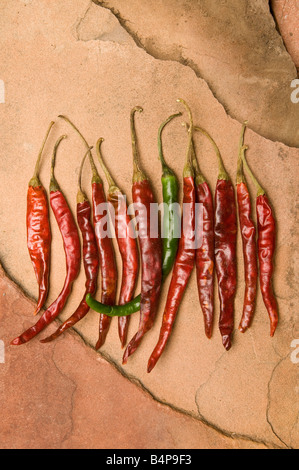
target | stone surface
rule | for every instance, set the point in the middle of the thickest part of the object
(233, 45)
(64, 395)
(76, 59)
(287, 19)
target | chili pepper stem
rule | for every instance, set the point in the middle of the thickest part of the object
(199, 177)
(138, 175)
(81, 196)
(222, 175)
(188, 168)
(35, 178)
(240, 174)
(112, 186)
(165, 168)
(260, 190)
(54, 186)
(95, 175)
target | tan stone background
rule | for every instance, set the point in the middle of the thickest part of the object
(94, 63)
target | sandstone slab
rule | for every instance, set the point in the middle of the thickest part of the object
(77, 59)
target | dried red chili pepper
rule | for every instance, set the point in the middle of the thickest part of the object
(248, 234)
(38, 229)
(225, 230)
(108, 267)
(266, 246)
(204, 255)
(90, 259)
(71, 244)
(185, 258)
(126, 242)
(150, 248)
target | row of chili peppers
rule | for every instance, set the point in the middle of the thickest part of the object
(158, 255)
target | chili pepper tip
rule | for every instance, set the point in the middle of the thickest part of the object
(101, 340)
(242, 329)
(16, 342)
(226, 341)
(48, 339)
(208, 332)
(273, 328)
(151, 364)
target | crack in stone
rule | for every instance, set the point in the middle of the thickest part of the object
(80, 20)
(274, 18)
(111, 31)
(136, 381)
(75, 387)
(227, 433)
(238, 435)
(293, 427)
(177, 50)
(268, 405)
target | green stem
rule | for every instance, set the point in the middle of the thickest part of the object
(199, 177)
(165, 167)
(260, 190)
(81, 196)
(138, 175)
(222, 175)
(35, 178)
(240, 178)
(188, 168)
(112, 186)
(54, 186)
(95, 175)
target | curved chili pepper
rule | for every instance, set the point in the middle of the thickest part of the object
(90, 259)
(38, 230)
(248, 234)
(225, 246)
(71, 244)
(185, 258)
(150, 248)
(126, 242)
(170, 231)
(105, 247)
(266, 246)
(204, 255)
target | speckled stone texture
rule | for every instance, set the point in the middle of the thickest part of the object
(77, 58)
(64, 395)
(286, 15)
(233, 45)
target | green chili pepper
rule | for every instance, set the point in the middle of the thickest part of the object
(171, 226)
(171, 220)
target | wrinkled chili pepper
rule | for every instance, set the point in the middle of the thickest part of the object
(170, 231)
(225, 230)
(248, 234)
(204, 255)
(266, 246)
(38, 230)
(185, 258)
(71, 244)
(108, 267)
(126, 242)
(90, 259)
(150, 248)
